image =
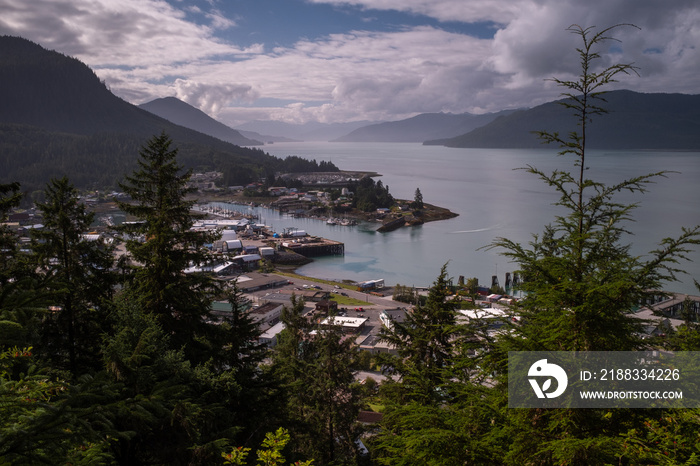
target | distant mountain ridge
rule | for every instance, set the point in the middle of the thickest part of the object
(57, 118)
(634, 121)
(184, 114)
(310, 131)
(421, 127)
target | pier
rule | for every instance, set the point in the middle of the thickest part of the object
(314, 247)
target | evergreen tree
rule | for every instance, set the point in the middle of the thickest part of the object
(18, 282)
(46, 420)
(237, 335)
(440, 410)
(79, 279)
(581, 281)
(316, 372)
(418, 199)
(162, 246)
(425, 341)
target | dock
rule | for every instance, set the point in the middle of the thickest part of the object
(314, 247)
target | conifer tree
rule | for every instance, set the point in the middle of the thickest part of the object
(79, 278)
(581, 280)
(439, 409)
(316, 372)
(15, 279)
(425, 341)
(162, 246)
(418, 199)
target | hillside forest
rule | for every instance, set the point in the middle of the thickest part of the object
(107, 360)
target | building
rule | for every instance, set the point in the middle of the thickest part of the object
(266, 315)
(327, 307)
(255, 281)
(375, 345)
(348, 324)
(389, 316)
(269, 336)
(674, 305)
(313, 296)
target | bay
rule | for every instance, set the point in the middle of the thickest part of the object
(493, 199)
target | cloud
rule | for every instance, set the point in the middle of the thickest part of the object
(128, 33)
(145, 49)
(210, 98)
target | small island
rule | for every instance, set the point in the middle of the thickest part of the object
(340, 197)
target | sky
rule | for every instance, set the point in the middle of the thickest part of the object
(334, 61)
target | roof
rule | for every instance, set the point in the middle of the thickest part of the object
(219, 268)
(369, 417)
(265, 308)
(273, 331)
(397, 315)
(353, 322)
(487, 313)
(255, 280)
(248, 257)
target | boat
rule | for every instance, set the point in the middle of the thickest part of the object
(331, 221)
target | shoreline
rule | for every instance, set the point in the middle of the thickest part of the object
(429, 213)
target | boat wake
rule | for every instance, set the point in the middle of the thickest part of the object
(479, 230)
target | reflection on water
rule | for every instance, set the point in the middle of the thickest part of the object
(492, 200)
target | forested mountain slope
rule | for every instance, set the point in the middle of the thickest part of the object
(57, 118)
(633, 121)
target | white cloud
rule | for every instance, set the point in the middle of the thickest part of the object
(145, 49)
(210, 98)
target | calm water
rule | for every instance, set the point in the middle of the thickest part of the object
(492, 200)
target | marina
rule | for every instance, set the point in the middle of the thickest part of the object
(492, 199)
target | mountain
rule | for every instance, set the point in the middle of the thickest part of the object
(268, 139)
(311, 131)
(57, 118)
(183, 114)
(421, 127)
(634, 121)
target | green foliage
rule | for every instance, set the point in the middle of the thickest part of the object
(79, 283)
(270, 455)
(417, 199)
(425, 340)
(163, 245)
(439, 412)
(322, 400)
(370, 195)
(580, 280)
(671, 439)
(406, 294)
(22, 304)
(49, 421)
(167, 410)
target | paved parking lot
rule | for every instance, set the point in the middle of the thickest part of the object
(370, 309)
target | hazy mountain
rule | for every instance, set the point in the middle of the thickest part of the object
(266, 138)
(183, 114)
(312, 131)
(633, 121)
(421, 127)
(57, 118)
